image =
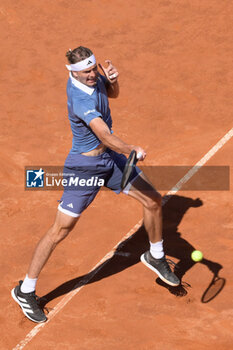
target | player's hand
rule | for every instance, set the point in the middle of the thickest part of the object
(110, 72)
(141, 154)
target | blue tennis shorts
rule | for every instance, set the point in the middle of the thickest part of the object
(85, 175)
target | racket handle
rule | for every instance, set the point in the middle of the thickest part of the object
(139, 155)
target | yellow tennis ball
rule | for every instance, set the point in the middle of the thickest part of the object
(197, 255)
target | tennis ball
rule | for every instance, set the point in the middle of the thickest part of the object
(197, 255)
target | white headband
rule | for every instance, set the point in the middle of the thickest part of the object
(76, 67)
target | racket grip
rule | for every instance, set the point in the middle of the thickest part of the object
(139, 155)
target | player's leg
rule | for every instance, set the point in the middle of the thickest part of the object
(60, 229)
(24, 293)
(142, 190)
(73, 203)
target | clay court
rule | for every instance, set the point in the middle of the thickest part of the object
(176, 83)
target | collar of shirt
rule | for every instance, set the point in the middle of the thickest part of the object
(83, 87)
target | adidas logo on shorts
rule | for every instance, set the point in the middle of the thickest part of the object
(70, 205)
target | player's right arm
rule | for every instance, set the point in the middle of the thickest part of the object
(101, 130)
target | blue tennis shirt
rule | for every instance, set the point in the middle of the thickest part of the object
(84, 104)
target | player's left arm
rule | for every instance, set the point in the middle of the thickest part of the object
(111, 75)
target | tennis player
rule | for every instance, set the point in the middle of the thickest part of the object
(98, 152)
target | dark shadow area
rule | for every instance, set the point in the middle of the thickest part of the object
(215, 287)
(128, 252)
(178, 247)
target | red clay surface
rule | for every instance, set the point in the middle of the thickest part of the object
(175, 61)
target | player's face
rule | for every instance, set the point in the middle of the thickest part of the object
(87, 76)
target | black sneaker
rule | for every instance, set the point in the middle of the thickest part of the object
(161, 267)
(29, 304)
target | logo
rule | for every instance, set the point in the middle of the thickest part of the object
(70, 205)
(89, 111)
(89, 62)
(35, 178)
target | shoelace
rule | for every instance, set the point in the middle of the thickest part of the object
(170, 263)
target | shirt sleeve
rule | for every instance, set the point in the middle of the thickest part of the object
(86, 110)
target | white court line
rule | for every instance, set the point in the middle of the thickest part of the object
(101, 263)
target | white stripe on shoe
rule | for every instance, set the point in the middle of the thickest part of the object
(28, 311)
(25, 305)
(22, 299)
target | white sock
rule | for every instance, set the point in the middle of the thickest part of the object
(156, 249)
(28, 285)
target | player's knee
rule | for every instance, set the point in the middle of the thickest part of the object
(154, 201)
(60, 231)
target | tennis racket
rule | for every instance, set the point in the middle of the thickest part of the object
(129, 167)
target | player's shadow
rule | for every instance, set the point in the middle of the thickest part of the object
(129, 251)
(178, 247)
